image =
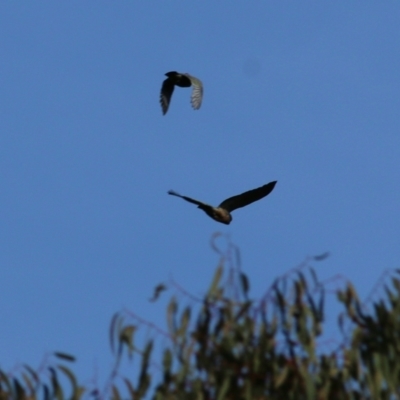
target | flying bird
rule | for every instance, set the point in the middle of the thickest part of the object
(181, 80)
(222, 213)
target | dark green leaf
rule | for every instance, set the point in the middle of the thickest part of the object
(224, 389)
(18, 390)
(243, 310)
(171, 311)
(46, 392)
(314, 276)
(157, 291)
(64, 356)
(131, 390)
(244, 283)
(322, 256)
(57, 389)
(71, 378)
(126, 337)
(112, 331)
(212, 292)
(115, 393)
(28, 382)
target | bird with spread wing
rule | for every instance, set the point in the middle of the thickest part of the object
(222, 213)
(181, 80)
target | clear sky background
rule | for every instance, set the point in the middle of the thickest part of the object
(306, 93)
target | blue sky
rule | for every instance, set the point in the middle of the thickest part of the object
(303, 93)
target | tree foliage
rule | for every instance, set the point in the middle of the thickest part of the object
(229, 346)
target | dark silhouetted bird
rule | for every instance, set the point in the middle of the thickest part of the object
(222, 213)
(181, 80)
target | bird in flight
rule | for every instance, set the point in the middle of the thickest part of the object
(181, 80)
(222, 213)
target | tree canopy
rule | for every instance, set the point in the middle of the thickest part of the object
(227, 345)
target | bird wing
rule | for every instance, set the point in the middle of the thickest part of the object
(246, 198)
(190, 200)
(166, 92)
(197, 92)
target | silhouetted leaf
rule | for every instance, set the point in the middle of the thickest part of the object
(71, 378)
(280, 378)
(212, 292)
(314, 276)
(131, 390)
(157, 291)
(126, 337)
(167, 360)
(341, 320)
(302, 280)
(57, 389)
(147, 352)
(171, 311)
(144, 378)
(185, 318)
(220, 323)
(112, 331)
(6, 382)
(313, 307)
(322, 256)
(243, 310)
(396, 283)
(64, 356)
(115, 393)
(33, 373)
(280, 298)
(19, 391)
(224, 389)
(244, 283)
(28, 382)
(46, 392)
(321, 306)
